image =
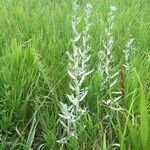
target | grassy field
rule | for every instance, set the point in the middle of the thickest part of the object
(34, 38)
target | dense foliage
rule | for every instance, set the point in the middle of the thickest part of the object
(34, 38)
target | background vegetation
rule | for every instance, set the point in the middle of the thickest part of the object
(34, 36)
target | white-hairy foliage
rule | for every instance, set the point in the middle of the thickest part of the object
(127, 51)
(107, 71)
(109, 74)
(78, 72)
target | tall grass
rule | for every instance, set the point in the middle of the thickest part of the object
(34, 36)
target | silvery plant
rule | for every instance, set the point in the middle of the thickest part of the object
(110, 78)
(127, 51)
(78, 72)
(108, 72)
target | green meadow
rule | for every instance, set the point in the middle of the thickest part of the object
(34, 38)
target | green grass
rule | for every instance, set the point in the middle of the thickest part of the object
(31, 88)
